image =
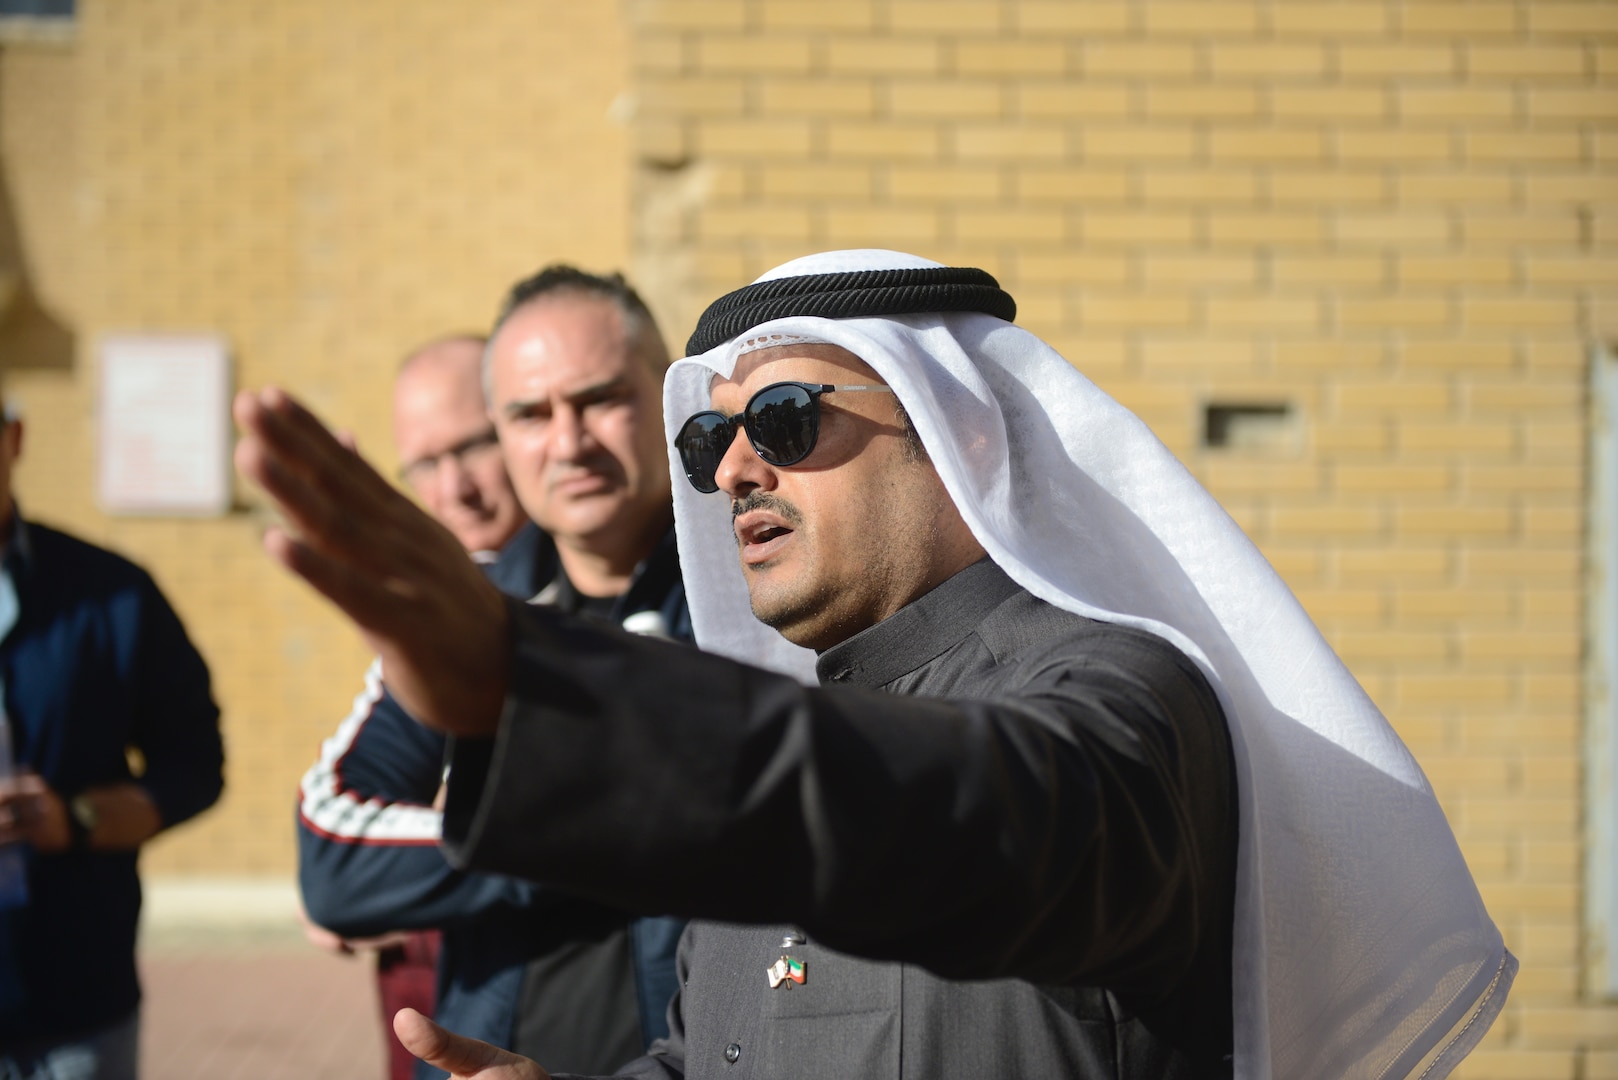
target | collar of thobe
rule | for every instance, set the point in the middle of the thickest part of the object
(922, 630)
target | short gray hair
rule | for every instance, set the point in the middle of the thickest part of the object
(560, 279)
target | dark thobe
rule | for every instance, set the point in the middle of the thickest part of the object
(999, 840)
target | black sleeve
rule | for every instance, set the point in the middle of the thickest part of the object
(176, 723)
(1052, 835)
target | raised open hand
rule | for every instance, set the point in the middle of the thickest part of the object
(437, 624)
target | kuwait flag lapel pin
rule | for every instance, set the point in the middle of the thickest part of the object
(786, 970)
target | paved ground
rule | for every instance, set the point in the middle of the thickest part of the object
(260, 1005)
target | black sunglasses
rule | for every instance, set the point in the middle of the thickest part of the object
(782, 422)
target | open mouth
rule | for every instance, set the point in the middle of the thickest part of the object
(760, 535)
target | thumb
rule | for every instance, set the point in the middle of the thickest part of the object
(461, 1057)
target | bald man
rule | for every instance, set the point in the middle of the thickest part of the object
(448, 451)
(450, 458)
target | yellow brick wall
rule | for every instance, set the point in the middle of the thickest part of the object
(325, 185)
(1398, 216)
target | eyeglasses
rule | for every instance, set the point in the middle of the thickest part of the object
(421, 470)
(782, 422)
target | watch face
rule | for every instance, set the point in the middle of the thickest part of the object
(84, 812)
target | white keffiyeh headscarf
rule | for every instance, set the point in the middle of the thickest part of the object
(1362, 947)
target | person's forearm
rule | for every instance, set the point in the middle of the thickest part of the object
(980, 839)
(366, 889)
(368, 857)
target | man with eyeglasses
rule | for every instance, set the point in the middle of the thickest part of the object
(1076, 789)
(371, 865)
(448, 450)
(563, 400)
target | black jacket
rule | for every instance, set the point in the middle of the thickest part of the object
(97, 663)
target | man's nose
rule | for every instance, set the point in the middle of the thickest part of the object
(741, 469)
(569, 437)
(454, 479)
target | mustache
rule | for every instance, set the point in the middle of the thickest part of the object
(764, 500)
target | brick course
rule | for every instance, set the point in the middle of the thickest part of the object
(1397, 215)
(326, 187)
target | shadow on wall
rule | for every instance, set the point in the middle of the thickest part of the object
(30, 336)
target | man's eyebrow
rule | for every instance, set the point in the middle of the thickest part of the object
(522, 405)
(598, 390)
(586, 394)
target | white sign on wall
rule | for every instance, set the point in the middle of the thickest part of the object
(164, 446)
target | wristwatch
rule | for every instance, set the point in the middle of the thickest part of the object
(81, 822)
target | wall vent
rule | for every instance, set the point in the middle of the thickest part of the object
(1270, 426)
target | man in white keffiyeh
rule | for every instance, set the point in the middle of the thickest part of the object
(1082, 791)
(1361, 946)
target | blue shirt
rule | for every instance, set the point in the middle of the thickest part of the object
(96, 665)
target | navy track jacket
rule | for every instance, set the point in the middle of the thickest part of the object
(369, 860)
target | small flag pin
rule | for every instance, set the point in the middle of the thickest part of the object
(786, 970)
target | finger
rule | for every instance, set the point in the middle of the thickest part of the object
(281, 431)
(364, 597)
(317, 483)
(458, 1055)
(326, 490)
(276, 415)
(308, 511)
(403, 616)
(268, 464)
(266, 416)
(328, 457)
(340, 524)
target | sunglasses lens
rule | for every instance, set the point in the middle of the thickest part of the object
(782, 422)
(702, 443)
